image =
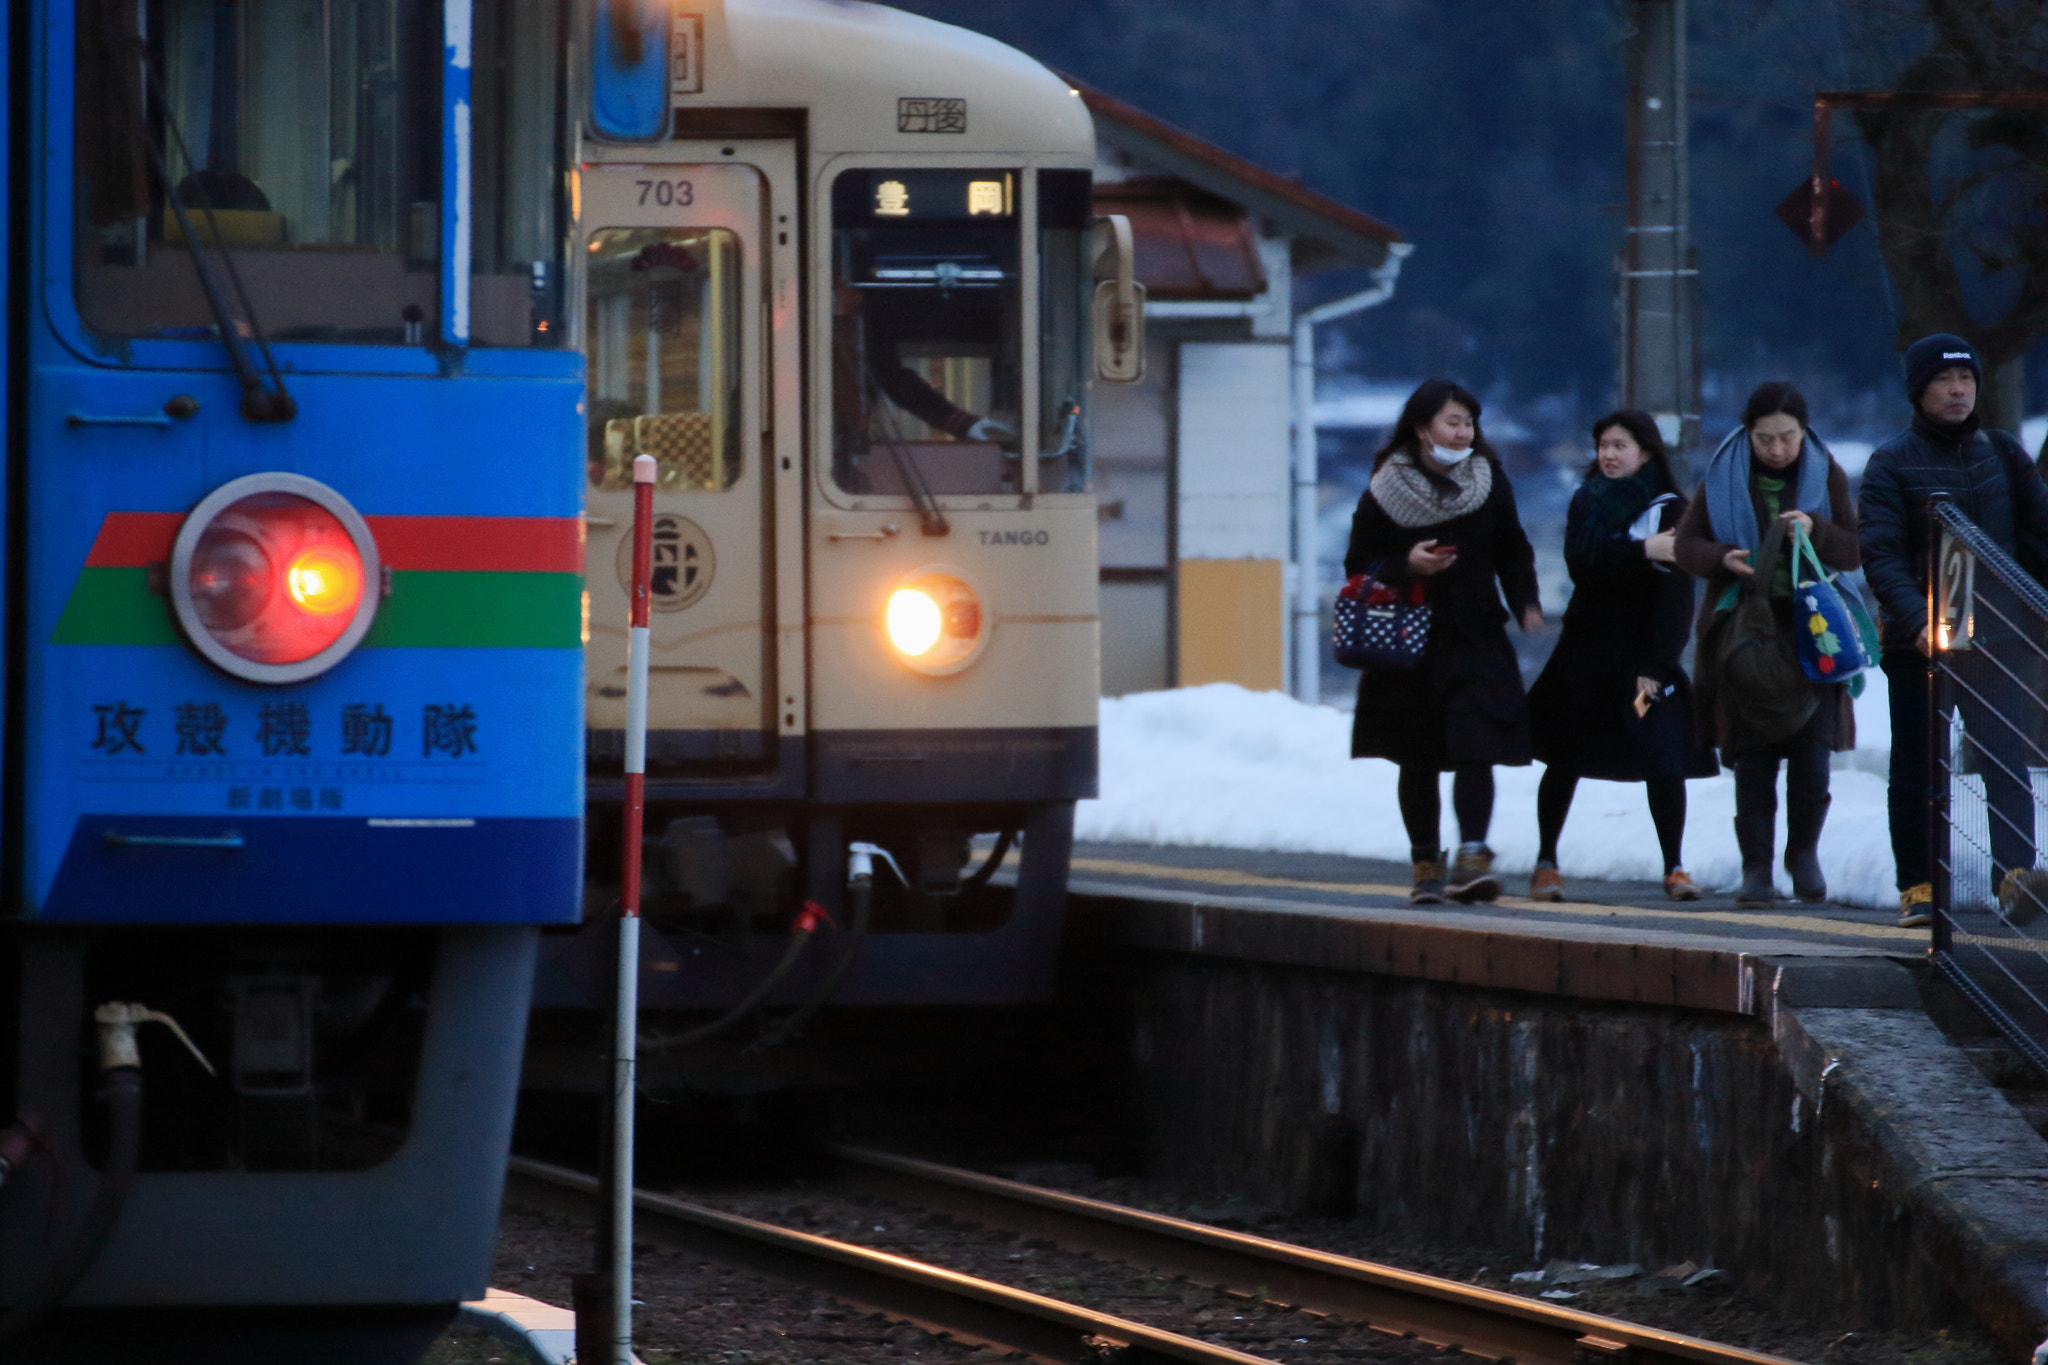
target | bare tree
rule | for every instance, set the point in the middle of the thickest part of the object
(1961, 197)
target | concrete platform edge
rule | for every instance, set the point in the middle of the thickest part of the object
(1847, 1024)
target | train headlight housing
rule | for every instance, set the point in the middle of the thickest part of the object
(274, 578)
(934, 621)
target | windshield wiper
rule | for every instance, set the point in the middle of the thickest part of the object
(261, 401)
(930, 519)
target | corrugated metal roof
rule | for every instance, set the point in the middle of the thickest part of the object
(1190, 244)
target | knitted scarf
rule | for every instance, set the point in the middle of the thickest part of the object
(1611, 504)
(1725, 486)
(1411, 499)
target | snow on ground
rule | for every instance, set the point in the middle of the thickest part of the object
(1225, 767)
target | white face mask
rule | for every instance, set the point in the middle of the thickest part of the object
(1444, 455)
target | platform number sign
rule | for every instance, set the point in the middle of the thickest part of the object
(1955, 595)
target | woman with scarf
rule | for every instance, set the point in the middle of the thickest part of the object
(1770, 469)
(1439, 508)
(1613, 703)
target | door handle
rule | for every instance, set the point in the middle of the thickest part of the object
(888, 529)
(228, 840)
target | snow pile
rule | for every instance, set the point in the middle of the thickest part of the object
(1224, 767)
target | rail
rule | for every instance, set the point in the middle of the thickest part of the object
(939, 1300)
(1987, 728)
(1444, 1313)
(1482, 1324)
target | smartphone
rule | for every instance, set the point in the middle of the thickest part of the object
(1443, 549)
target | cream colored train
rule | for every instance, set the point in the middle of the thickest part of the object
(842, 278)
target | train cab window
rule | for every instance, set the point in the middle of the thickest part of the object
(662, 334)
(1065, 212)
(926, 331)
(305, 135)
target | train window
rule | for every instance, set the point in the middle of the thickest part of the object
(663, 337)
(305, 133)
(1065, 210)
(926, 331)
(519, 228)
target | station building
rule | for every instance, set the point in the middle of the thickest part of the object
(1198, 467)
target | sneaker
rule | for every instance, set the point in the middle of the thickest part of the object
(1916, 906)
(1679, 886)
(1429, 882)
(1472, 876)
(2022, 894)
(1546, 883)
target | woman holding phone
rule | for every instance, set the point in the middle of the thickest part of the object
(1613, 703)
(1439, 507)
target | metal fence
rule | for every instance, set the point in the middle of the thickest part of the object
(1988, 753)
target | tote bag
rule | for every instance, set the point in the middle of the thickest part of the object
(1381, 625)
(1826, 631)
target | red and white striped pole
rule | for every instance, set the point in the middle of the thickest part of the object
(626, 1029)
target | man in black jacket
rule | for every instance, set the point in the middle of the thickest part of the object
(1997, 487)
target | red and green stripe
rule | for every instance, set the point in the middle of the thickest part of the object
(456, 583)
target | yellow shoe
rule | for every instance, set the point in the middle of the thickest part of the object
(1546, 883)
(1916, 906)
(1472, 877)
(2022, 894)
(1679, 886)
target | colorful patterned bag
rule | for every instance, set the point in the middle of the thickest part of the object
(1830, 639)
(1382, 625)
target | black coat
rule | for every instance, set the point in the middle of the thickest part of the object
(1628, 619)
(1463, 704)
(1993, 483)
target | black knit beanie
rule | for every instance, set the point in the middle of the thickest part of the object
(1929, 356)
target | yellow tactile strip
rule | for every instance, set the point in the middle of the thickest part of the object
(1746, 919)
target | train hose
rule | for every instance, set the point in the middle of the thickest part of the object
(979, 877)
(124, 1148)
(800, 938)
(121, 1071)
(860, 890)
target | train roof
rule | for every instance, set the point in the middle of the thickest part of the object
(875, 79)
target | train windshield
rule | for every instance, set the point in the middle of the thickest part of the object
(303, 136)
(926, 331)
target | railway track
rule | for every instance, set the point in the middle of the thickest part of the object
(1398, 1305)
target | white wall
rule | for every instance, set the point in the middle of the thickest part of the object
(1234, 457)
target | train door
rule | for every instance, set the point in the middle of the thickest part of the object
(673, 331)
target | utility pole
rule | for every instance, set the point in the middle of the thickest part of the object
(1657, 302)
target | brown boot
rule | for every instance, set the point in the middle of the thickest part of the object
(1472, 876)
(1429, 881)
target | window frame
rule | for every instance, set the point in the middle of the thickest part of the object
(57, 294)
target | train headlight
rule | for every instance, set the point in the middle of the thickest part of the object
(934, 621)
(914, 622)
(271, 577)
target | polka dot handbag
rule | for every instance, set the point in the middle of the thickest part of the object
(1381, 625)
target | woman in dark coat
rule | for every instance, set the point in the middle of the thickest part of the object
(1771, 469)
(1613, 703)
(1439, 507)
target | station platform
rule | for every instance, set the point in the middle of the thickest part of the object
(1327, 883)
(1852, 1019)
(1616, 941)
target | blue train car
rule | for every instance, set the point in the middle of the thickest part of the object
(294, 673)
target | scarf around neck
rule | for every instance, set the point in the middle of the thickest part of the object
(1725, 486)
(1613, 504)
(1411, 498)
